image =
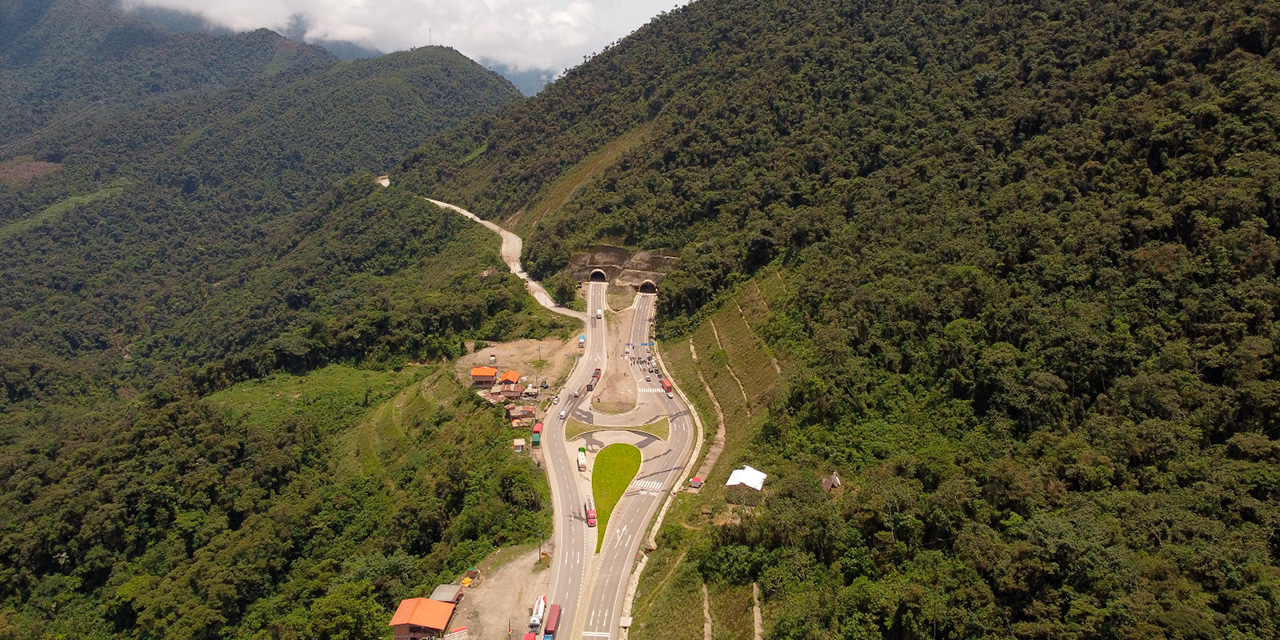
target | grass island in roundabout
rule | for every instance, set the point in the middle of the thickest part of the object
(614, 468)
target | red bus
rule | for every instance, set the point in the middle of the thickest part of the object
(553, 618)
(666, 385)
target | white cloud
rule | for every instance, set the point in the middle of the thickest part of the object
(524, 34)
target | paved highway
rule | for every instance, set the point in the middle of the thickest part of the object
(590, 587)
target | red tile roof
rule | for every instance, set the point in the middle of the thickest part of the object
(422, 612)
(510, 376)
(483, 372)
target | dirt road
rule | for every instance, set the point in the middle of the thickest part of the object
(512, 245)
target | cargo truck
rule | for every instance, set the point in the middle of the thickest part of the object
(582, 460)
(590, 507)
(599, 314)
(553, 621)
(537, 434)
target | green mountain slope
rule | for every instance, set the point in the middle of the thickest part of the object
(1028, 262)
(65, 60)
(202, 191)
(221, 413)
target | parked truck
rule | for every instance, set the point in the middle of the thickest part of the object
(582, 460)
(537, 434)
(539, 611)
(553, 621)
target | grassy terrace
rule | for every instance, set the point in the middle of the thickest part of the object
(615, 466)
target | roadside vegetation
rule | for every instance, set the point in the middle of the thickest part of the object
(611, 473)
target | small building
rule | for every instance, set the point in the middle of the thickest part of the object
(421, 618)
(510, 377)
(831, 482)
(509, 390)
(483, 376)
(518, 445)
(521, 412)
(531, 391)
(448, 593)
(695, 483)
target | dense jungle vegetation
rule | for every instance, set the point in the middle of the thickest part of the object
(1030, 307)
(206, 301)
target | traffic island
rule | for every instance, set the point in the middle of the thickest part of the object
(615, 466)
(660, 428)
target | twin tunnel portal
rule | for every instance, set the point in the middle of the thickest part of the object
(647, 286)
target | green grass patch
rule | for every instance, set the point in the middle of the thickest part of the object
(574, 428)
(613, 408)
(731, 610)
(56, 210)
(614, 468)
(333, 397)
(475, 153)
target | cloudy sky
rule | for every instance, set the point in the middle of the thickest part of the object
(523, 34)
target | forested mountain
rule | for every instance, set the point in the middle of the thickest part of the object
(1028, 296)
(206, 301)
(65, 60)
(196, 190)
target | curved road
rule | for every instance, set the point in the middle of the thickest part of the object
(590, 587)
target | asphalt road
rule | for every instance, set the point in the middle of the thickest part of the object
(590, 587)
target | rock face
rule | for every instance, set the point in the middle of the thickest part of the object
(624, 267)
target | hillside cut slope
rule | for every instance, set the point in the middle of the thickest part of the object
(1028, 306)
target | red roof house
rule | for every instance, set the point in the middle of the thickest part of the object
(483, 376)
(510, 377)
(421, 617)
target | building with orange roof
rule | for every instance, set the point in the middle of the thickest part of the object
(483, 376)
(421, 618)
(510, 377)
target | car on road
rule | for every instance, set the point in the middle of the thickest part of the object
(647, 377)
(556, 399)
(575, 393)
(563, 414)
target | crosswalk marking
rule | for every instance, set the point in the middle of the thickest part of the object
(651, 485)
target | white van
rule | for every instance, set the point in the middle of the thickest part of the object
(599, 314)
(563, 414)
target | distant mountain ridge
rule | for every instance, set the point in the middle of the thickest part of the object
(118, 60)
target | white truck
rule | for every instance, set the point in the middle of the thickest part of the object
(582, 460)
(539, 610)
(599, 314)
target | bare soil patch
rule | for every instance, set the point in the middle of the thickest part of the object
(617, 390)
(502, 599)
(550, 359)
(19, 171)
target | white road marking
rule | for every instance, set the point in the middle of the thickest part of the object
(597, 634)
(651, 485)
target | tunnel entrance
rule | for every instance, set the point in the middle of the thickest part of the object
(598, 275)
(648, 286)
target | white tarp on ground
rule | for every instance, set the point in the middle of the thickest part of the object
(753, 478)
